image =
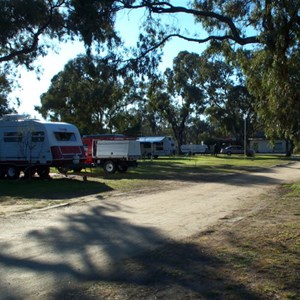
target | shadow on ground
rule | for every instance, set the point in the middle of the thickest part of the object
(51, 189)
(195, 171)
(94, 249)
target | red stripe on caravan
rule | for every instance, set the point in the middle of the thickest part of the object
(56, 153)
(62, 152)
(70, 150)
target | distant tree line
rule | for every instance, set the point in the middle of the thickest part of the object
(197, 99)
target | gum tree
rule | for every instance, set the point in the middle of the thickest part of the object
(268, 29)
(90, 93)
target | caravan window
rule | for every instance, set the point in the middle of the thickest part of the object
(37, 136)
(13, 137)
(146, 145)
(159, 146)
(65, 136)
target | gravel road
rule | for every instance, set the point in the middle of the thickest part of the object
(46, 250)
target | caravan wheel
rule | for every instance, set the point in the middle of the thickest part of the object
(12, 172)
(2, 172)
(43, 172)
(29, 172)
(110, 167)
(122, 168)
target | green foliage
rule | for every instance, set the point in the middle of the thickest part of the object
(228, 114)
(23, 23)
(179, 93)
(272, 29)
(4, 91)
(271, 68)
(200, 85)
(276, 88)
(93, 21)
(28, 28)
(90, 93)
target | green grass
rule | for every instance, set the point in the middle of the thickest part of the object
(183, 167)
(144, 176)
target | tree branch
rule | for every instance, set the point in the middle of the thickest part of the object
(167, 8)
(35, 37)
(189, 39)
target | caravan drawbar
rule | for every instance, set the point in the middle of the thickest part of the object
(33, 146)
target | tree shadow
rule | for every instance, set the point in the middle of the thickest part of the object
(227, 174)
(196, 170)
(51, 189)
(97, 246)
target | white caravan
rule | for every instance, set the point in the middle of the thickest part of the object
(30, 146)
(154, 146)
(194, 149)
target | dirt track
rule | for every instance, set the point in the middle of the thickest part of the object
(42, 252)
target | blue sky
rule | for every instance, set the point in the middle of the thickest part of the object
(127, 24)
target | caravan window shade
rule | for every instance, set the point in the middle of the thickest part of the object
(11, 137)
(65, 136)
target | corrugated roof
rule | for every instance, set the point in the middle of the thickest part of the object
(151, 139)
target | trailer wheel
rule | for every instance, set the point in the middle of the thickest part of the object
(122, 168)
(12, 172)
(43, 172)
(2, 172)
(110, 167)
(29, 172)
(63, 170)
(77, 169)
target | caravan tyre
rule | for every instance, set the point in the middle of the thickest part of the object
(110, 167)
(2, 172)
(12, 172)
(43, 172)
(29, 172)
(122, 168)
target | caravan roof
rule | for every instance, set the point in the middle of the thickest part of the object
(151, 139)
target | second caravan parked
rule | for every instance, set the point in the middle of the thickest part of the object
(155, 146)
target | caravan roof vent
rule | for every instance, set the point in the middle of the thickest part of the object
(14, 117)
